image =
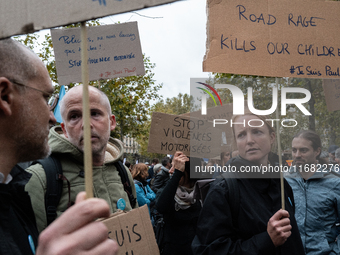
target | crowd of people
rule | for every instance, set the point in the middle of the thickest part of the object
(241, 214)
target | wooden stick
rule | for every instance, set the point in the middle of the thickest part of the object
(279, 149)
(86, 114)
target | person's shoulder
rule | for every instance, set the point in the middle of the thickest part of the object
(36, 169)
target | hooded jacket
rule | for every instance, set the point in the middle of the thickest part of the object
(259, 199)
(317, 202)
(107, 183)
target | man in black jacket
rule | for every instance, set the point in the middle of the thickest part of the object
(163, 175)
(25, 88)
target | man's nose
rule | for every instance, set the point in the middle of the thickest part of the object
(297, 154)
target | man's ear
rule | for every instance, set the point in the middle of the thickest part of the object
(6, 96)
(112, 122)
(64, 129)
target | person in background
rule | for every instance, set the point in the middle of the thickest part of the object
(337, 157)
(25, 117)
(145, 196)
(331, 151)
(225, 156)
(67, 144)
(151, 172)
(163, 175)
(179, 208)
(316, 194)
(156, 169)
(255, 223)
(324, 156)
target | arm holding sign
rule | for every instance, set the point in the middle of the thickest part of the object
(180, 210)
(166, 202)
(76, 232)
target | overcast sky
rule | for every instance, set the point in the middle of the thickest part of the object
(174, 37)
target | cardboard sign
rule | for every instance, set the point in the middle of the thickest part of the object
(22, 16)
(222, 113)
(113, 50)
(274, 38)
(331, 88)
(194, 137)
(133, 232)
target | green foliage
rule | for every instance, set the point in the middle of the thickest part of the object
(322, 121)
(130, 97)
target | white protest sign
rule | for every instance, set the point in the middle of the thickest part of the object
(26, 16)
(113, 51)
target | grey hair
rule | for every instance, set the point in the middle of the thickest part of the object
(337, 153)
(102, 94)
(17, 61)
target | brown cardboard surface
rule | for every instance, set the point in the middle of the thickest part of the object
(224, 112)
(331, 88)
(26, 16)
(243, 38)
(194, 137)
(113, 51)
(133, 232)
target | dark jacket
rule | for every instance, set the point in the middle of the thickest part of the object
(180, 226)
(150, 171)
(259, 200)
(161, 179)
(17, 219)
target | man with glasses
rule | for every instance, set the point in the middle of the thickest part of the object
(25, 88)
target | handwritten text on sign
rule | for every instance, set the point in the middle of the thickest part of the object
(113, 50)
(194, 137)
(133, 232)
(274, 38)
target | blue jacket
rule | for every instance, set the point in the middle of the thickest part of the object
(317, 206)
(144, 194)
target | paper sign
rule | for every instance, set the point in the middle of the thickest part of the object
(23, 16)
(274, 38)
(194, 137)
(331, 88)
(113, 50)
(133, 232)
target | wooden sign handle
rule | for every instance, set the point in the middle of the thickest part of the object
(86, 114)
(279, 151)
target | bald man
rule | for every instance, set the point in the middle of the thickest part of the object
(67, 144)
(25, 88)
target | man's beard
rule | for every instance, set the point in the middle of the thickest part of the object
(31, 139)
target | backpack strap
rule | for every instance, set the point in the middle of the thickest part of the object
(54, 185)
(126, 182)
